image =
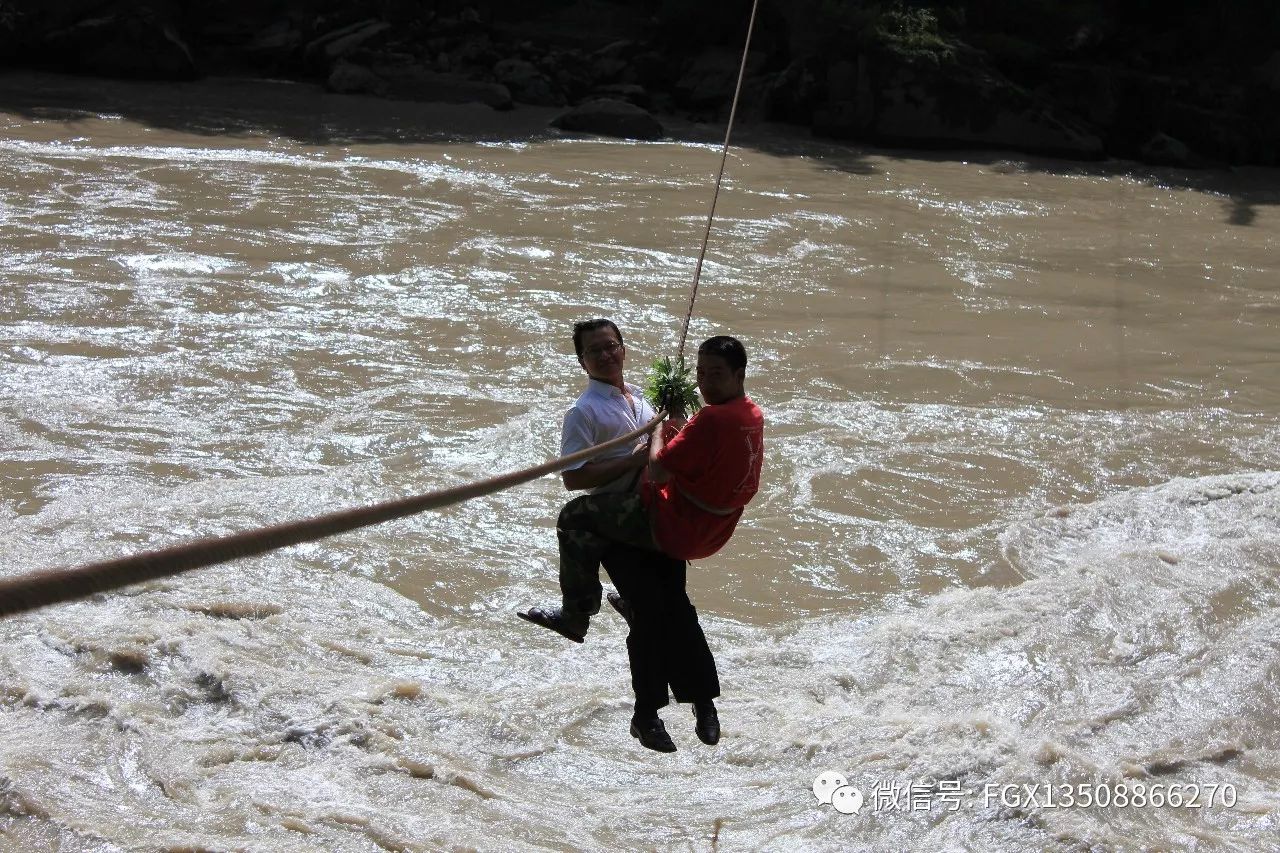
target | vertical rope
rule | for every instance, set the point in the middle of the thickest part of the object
(724, 156)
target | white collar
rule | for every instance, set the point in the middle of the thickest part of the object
(604, 389)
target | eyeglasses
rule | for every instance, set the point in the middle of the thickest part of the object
(603, 349)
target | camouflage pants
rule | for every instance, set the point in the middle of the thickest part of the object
(587, 528)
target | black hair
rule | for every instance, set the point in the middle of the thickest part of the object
(730, 349)
(582, 327)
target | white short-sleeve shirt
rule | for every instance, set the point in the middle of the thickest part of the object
(602, 413)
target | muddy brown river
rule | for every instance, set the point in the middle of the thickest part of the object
(1018, 530)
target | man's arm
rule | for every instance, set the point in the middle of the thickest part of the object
(604, 471)
(657, 473)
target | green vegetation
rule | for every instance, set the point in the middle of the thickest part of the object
(669, 387)
(911, 32)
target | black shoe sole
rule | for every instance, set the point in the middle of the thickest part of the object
(542, 618)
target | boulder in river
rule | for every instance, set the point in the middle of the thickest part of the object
(609, 117)
(1163, 150)
(711, 79)
(528, 85)
(330, 47)
(348, 78)
(610, 63)
(632, 93)
(274, 47)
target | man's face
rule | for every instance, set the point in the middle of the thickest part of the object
(602, 355)
(717, 381)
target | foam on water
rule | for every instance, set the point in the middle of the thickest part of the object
(278, 707)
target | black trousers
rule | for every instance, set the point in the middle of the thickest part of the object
(666, 645)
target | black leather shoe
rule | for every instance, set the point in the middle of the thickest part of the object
(652, 734)
(707, 726)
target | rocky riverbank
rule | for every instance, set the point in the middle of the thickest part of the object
(890, 74)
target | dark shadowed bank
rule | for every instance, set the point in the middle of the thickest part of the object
(1176, 83)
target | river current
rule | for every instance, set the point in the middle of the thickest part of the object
(1018, 529)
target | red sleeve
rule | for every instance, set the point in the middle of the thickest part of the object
(686, 455)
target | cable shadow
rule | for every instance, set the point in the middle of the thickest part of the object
(1241, 211)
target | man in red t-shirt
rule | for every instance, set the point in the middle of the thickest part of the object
(696, 485)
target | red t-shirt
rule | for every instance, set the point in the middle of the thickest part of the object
(715, 460)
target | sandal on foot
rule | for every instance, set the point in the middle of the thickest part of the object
(552, 618)
(623, 607)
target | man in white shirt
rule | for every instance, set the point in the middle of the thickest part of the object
(610, 407)
(607, 409)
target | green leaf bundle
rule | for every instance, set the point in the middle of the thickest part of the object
(669, 387)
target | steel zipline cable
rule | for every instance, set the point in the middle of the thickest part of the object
(27, 592)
